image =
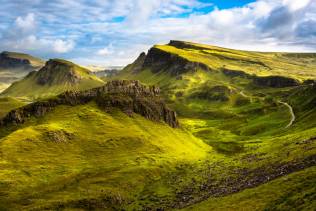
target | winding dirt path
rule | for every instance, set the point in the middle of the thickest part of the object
(291, 112)
(284, 103)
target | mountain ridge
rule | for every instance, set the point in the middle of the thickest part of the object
(178, 57)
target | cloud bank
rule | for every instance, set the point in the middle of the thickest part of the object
(108, 32)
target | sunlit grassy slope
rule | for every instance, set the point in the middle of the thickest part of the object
(8, 103)
(29, 86)
(233, 149)
(239, 119)
(77, 154)
(296, 65)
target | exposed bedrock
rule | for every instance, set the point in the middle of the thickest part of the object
(158, 60)
(129, 96)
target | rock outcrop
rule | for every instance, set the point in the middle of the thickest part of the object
(275, 81)
(8, 62)
(57, 69)
(158, 60)
(129, 96)
(235, 73)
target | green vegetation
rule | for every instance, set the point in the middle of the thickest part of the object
(233, 150)
(7, 104)
(261, 64)
(239, 119)
(292, 192)
(82, 153)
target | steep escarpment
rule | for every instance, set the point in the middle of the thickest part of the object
(158, 60)
(129, 96)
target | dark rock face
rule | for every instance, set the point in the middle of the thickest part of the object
(139, 62)
(235, 73)
(53, 70)
(158, 60)
(310, 82)
(8, 62)
(182, 45)
(129, 96)
(275, 81)
(212, 93)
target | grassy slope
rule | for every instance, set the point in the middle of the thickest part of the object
(292, 192)
(7, 104)
(3, 86)
(82, 153)
(81, 157)
(28, 87)
(250, 124)
(299, 66)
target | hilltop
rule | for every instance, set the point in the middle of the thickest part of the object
(54, 78)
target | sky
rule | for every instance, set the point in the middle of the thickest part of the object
(115, 32)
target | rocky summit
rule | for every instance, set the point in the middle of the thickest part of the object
(62, 70)
(129, 96)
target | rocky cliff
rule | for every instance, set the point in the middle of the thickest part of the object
(129, 96)
(275, 81)
(158, 60)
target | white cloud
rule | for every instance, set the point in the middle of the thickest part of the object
(294, 5)
(61, 46)
(104, 52)
(86, 29)
(26, 23)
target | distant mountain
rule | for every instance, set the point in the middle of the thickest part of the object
(106, 71)
(55, 77)
(14, 60)
(14, 66)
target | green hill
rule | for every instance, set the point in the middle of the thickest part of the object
(89, 150)
(55, 77)
(243, 135)
(246, 105)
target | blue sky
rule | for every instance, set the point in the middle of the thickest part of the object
(115, 32)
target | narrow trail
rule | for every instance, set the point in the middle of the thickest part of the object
(284, 103)
(291, 112)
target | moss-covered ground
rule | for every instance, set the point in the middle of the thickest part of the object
(233, 150)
